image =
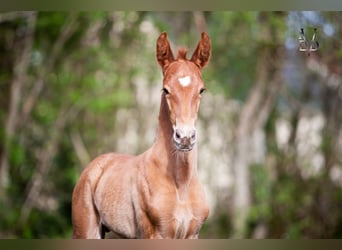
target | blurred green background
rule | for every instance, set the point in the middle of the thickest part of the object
(77, 84)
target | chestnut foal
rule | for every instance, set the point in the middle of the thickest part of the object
(156, 194)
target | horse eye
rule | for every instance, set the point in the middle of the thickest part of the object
(202, 90)
(166, 91)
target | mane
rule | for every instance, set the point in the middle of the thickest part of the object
(182, 53)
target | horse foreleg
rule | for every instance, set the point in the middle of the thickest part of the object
(85, 218)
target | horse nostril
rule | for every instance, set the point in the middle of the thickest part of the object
(193, 136)
(177, 135)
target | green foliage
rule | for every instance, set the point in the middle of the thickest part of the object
(219, 227)
(261, 186)
(45, 225)
(233, 48)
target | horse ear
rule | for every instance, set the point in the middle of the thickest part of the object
(201, 54)
(164, 52)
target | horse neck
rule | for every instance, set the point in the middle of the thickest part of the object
(181, 166)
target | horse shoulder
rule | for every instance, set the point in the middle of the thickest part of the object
(115, 176)
(113, 194)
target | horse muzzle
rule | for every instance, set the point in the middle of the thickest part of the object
(184, 138)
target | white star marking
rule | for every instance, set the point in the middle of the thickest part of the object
(184, 81)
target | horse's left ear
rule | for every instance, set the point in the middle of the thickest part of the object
(201, 54)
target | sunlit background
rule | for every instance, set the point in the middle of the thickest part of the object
(75, 85)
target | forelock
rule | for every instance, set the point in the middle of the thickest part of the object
(182, 53)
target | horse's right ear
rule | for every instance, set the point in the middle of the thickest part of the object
(164, 52)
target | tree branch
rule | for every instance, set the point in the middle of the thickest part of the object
(80, 148)
(200, 22)
(44, 160)
(11, 16)
(21, 64)
(66, 32)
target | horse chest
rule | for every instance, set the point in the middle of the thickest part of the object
(177, 218)
(183, 221)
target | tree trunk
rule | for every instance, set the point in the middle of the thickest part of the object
(253, 117)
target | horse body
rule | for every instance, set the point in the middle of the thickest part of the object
(156, 194)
